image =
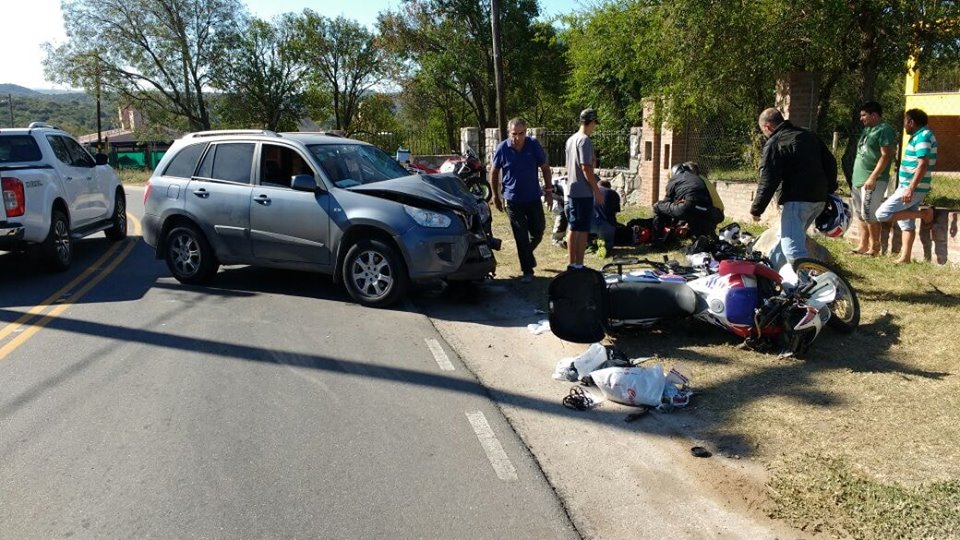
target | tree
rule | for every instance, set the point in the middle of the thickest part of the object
(375, 114)
(447, 45)
(262, 76)
(345, 59)
(156, 54)
(428, 107)
(612, 53)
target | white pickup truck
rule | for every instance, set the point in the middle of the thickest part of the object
(55, 192)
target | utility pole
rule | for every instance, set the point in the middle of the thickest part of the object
(99, 126)
(10, 103)
(498, 68)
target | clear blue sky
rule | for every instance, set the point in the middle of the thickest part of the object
(25, 29)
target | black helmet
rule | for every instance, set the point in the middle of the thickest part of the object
(686, 166)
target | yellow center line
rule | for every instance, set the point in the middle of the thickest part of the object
(66, 302)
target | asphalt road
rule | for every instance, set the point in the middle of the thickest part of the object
(263, 405)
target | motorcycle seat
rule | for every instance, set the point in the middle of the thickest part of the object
(628, 300)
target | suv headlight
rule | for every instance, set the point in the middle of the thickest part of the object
(427, 218)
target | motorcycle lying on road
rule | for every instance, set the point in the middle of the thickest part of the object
(770, 310)
(469, 168)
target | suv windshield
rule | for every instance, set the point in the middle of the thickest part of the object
(349, 165)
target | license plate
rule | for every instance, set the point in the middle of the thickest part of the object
(485, 251)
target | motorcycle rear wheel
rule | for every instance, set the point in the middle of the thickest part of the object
(845, 309)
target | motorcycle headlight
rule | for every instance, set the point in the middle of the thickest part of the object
(427, 218)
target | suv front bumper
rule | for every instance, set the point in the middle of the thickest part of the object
(457, 257)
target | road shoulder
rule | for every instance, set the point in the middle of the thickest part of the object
(617, 479)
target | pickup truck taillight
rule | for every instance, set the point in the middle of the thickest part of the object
(13, 200)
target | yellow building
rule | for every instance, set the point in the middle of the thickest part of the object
(943, 108)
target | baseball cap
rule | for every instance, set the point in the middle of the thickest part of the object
(588, 115)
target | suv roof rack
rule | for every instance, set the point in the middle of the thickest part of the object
(331, 133)
(216, 133)
(34, 125)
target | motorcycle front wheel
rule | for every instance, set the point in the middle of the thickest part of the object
(480, 188)
(845, 309)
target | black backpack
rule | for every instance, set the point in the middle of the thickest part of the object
(577, 305)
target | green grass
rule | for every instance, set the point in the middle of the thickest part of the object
(860, 437)
(133, 177)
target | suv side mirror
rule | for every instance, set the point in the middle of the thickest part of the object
(100, 158)
(304, 182)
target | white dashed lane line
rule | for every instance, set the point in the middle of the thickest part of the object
(491, 445)
(439, 355)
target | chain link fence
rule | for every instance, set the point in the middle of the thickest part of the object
(732, 153)
(612, 147)
(419, 143)
(724, 151)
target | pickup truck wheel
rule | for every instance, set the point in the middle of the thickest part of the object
(57, 248)
(118, 231)
(189, 256)
(373, 273)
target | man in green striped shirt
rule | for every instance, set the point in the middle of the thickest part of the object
(919, 160)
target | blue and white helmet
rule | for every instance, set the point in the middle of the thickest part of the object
(835, 218)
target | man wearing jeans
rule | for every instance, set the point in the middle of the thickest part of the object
(796, 163)
(518, 158)
(919, 160)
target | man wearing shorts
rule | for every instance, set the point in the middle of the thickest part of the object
(583, 191)
(916, 168)
(871, 173)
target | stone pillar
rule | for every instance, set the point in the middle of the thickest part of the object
(540, 134)
(636, 140)
(491, 138)
(679, 144)
(470, 138)
(649, 169)
(797, 94)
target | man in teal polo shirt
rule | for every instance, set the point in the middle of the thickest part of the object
(519, 157)
(871, 173)
(919, 160)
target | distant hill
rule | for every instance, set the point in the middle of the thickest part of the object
(75, 112)
(17, 90)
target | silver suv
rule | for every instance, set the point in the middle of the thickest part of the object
(312, 202)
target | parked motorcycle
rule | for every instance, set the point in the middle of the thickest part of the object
(470, 169)
(771, 310)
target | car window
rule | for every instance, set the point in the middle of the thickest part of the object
(184, 163)
(279, 163)
(19, 148)
(349, 165)
(230, 162)
(78, 156)
(59, 149)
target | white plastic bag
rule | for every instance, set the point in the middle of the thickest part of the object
(565, 371)
(593, 358)
(641, 385)
(540, 327)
